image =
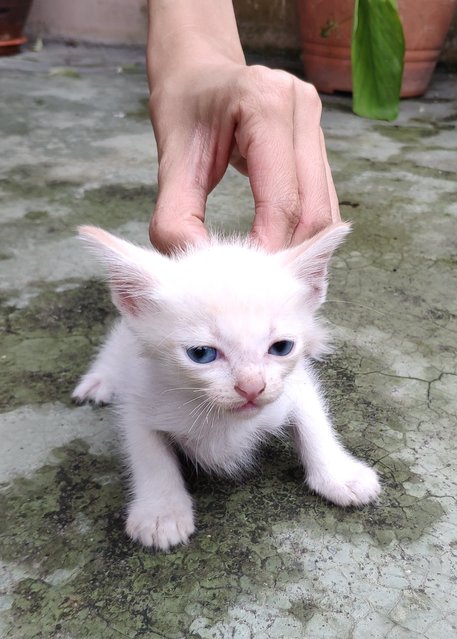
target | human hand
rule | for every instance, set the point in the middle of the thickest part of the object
(208, 109)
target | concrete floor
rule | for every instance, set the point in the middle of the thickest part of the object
(270, 560)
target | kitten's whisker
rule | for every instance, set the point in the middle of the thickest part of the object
(200, 412)
(195, 409)
(191, 388)
(201, 404)
(207, 410)
(202, 430)
(194, 399)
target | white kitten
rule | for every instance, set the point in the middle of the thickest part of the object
(212, 354)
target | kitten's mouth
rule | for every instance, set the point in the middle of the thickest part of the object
(248, 406)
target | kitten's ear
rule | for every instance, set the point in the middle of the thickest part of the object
(133, 272)
(309, 261)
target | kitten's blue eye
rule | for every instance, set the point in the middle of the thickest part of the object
(281, 348)
(202, 354)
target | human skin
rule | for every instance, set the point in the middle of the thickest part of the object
(209, 109)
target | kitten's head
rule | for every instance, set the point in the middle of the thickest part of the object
(226, 320)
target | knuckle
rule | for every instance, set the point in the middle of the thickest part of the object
(314, 221)
(283, 81)
(157, 233)
(257, 74)
(159, 226)
(292, 208)
(287, 205)
(311, 96)
(268, 89)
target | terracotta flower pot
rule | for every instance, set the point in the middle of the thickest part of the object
(13, 14)
(326, 28)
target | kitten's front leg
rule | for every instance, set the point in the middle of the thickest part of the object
(99, 383)
(330, 470)
(160, 513)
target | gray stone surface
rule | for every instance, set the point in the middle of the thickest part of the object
(270, 560)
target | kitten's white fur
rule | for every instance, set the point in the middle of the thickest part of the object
(236, 298)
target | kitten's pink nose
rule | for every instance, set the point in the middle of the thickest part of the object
(251, 389)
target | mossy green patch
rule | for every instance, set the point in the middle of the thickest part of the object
(64, 72)
(47, 345)
(131, 68)
(36, 216)
(436, 100)
(452, 117)
(110, 201)
(303, 610)
(68, 518)
(384, 175)
(405, 134)
(142, 112)
(342, 106)
(108, 205)
(65, 530)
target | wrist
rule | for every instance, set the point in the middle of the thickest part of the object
(184, 32)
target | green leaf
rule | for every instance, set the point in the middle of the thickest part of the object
(378, 48)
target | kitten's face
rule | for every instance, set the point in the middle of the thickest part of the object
(230, 325)
(227, 322)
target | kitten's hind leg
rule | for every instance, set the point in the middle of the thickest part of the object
(99, 383)
(330, 470)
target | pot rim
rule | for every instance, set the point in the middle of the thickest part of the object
(13, 43)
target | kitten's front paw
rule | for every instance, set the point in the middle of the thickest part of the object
(161, 526)
(350, 483)
(93, 388)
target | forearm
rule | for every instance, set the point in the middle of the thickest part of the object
(185, 30)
